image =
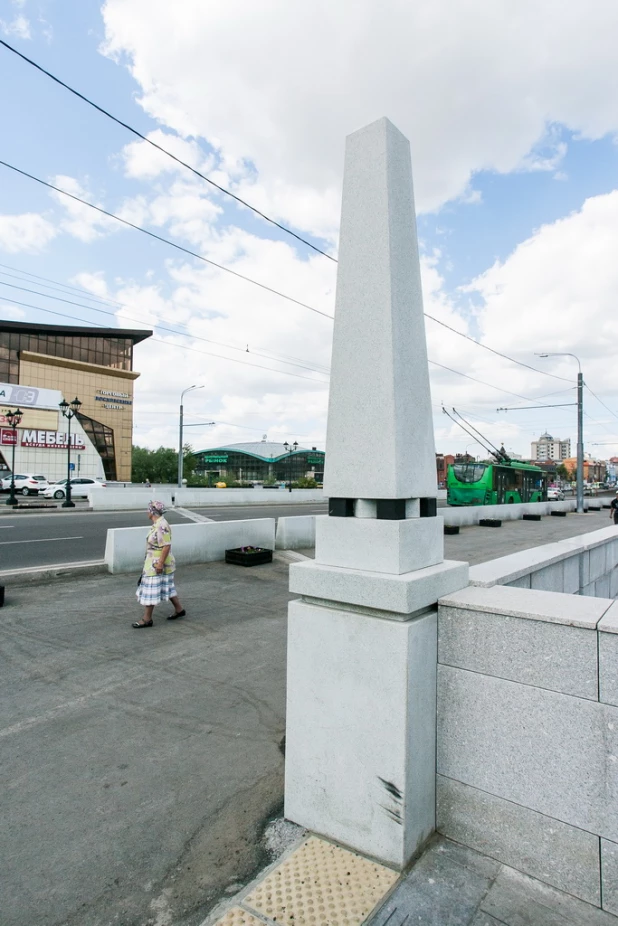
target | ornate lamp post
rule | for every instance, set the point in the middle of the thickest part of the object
(69, 412)
(14, 419)
(291, 453)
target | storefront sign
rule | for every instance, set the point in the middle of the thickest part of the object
(318, 460)
(113, 399)
(51, 440)
(7, 437)
(27, 395)
(222, 458)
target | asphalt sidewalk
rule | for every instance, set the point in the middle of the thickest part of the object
(140, 766)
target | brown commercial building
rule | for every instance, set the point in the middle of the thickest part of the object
(92, 364)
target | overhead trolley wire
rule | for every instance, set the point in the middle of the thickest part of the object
(151, 234)
(183, 334)
(160, 148)
(66, 290)
(206, 353)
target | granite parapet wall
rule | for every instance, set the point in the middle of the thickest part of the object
(527, 746)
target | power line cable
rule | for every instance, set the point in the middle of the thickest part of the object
(139, 321)
(493, 351)
(113, 302)
(171, 343)
(599, 400)
(173, 244)
(160, 148)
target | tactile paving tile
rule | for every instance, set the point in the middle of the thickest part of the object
(321, 885)
(239, 917)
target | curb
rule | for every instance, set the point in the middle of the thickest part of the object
(39, 575)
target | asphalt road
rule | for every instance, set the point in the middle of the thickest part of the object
(52, 537)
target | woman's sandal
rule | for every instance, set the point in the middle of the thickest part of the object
(175, 616)
(139, 624)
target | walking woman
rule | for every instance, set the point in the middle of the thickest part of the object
(157, 580)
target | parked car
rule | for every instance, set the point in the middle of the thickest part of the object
(79, 488)
(26, 484)
(554, 494)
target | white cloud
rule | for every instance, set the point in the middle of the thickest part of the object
(81, 221)
(29, 232)
(471, 84)
(144, 162)
(11, 312)
(18, 27)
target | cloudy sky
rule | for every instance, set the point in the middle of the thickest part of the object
(512, 114)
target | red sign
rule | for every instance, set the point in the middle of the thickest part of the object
(7, 437)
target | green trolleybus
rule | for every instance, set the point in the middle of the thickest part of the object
(495, 483)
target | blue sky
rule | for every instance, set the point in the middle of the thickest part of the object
(516, 215)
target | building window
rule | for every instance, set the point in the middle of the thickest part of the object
(102, 437)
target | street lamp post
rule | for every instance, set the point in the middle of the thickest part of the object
(291, 454)
(580, 429)
(180, 456)
(14, 419)
(69, 412)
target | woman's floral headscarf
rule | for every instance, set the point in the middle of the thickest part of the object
(156, 508)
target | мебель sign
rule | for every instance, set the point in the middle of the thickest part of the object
(51, 440)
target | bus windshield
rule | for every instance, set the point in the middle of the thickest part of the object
(469, 472)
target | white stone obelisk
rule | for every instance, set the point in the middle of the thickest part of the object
(362, 640)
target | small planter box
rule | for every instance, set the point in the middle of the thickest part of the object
(531, 517)
(558, 514)
(490, 522)
(248, 556)
(451, 528)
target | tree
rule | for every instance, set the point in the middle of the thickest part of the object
(154, 465)
(562, 473)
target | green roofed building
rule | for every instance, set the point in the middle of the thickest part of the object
(260, 461)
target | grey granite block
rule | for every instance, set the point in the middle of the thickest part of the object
(609, 621)
(561, 855)
(601, 587)
(533, 652)
(598, 562)
(609, 875)
(517, 900)
(571, 575)
(550, 752)
(484, 919)
(523, 582)
(437, 891)
(613, 583)
(554, 607)
(549, 579)
(608, 668)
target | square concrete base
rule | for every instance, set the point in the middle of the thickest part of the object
(360, 745)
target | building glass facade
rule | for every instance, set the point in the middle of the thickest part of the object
(262, 461)
(94, 364)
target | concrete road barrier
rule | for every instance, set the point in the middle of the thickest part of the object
(137, 497)
(192, 543)
(296, 533)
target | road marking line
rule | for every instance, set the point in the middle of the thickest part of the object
(5, 527)
(12, 543)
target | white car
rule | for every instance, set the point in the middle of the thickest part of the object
(26, 484)
(79, 488)
(554, 494)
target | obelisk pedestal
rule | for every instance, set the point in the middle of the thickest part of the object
(362, 638)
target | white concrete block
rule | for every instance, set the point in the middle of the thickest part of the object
(296, 533)
(571, 575)
(360, 746)
(554, 607)
(191, 543)
(372, 545)
(399, 595)
(379, 385)
(365, 508)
